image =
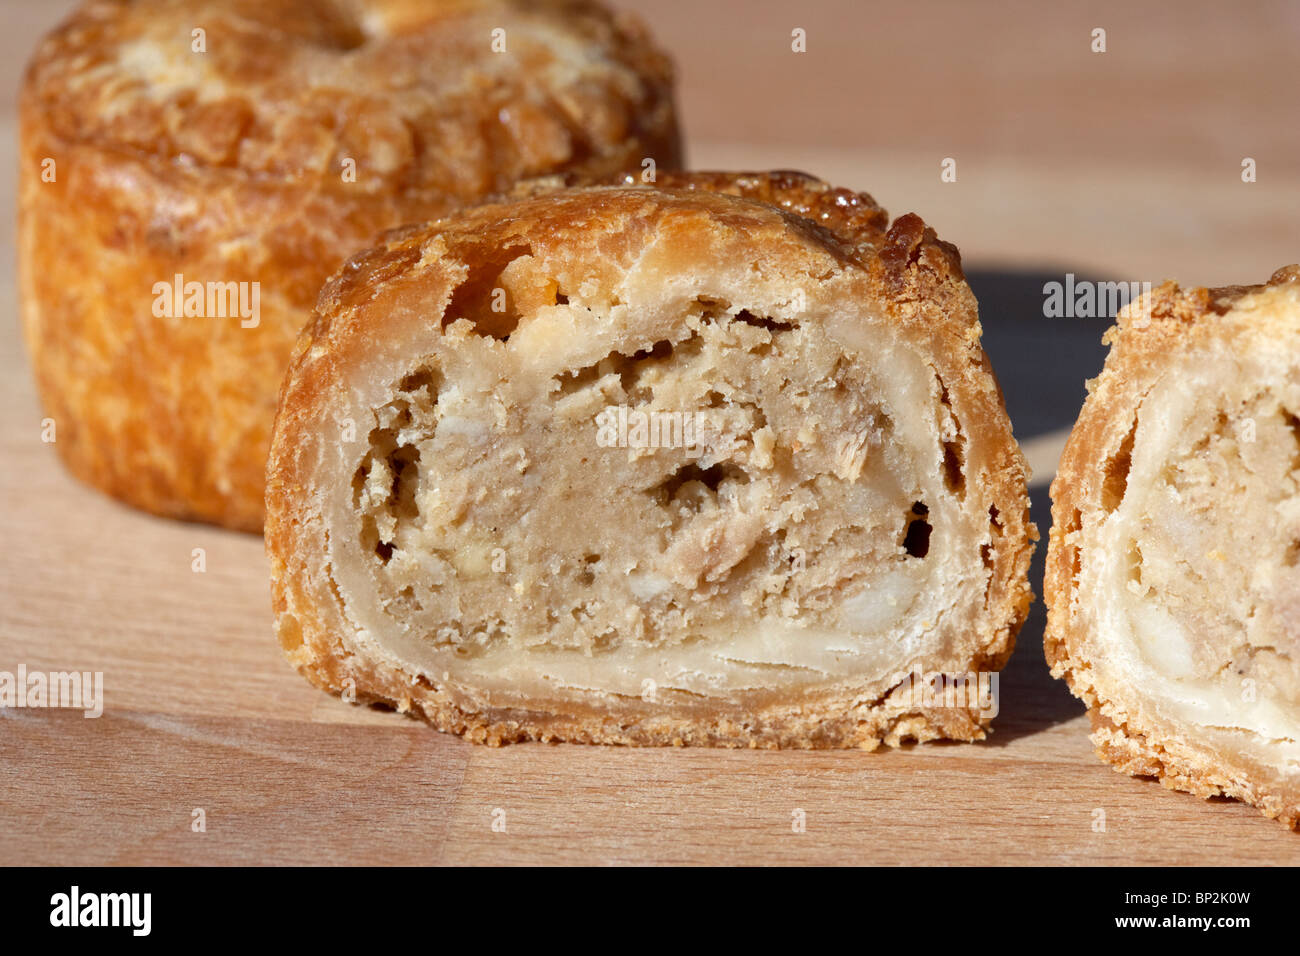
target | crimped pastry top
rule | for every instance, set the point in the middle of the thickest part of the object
(412, 91)
(907, 259)
(849, 216)
(1172, 305)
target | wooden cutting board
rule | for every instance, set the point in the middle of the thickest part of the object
(1124, 167)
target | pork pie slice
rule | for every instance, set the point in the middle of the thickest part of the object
(1173, 576)
(715, 462)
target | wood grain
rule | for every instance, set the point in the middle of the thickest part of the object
(1124, 164)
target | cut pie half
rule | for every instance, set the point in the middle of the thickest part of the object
(719, 461)
(1173, 576)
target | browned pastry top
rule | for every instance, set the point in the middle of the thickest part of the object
(413, 92)
(1193, 304)
(907, 258)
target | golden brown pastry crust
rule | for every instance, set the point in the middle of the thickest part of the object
(919, 276)
(229, 165)
(1089, 482)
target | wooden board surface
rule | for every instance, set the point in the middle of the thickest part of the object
(1124, 164)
